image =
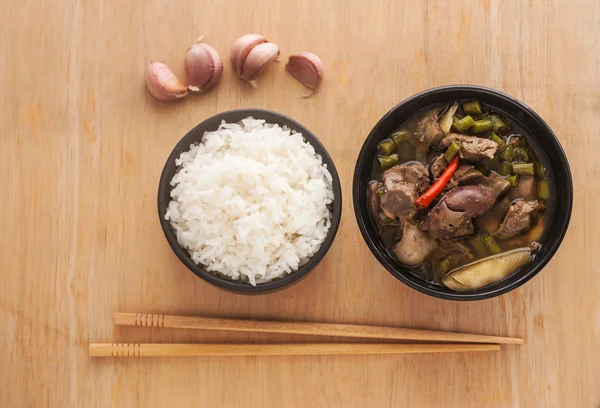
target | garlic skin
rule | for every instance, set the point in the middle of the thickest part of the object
(252, 54)
(162, 83)
(204, 67)
(307, 68)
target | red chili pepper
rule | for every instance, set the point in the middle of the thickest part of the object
(437, 187)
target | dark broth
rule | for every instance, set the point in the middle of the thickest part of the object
(488, 222)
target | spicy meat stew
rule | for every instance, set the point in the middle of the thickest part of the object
(460, 194)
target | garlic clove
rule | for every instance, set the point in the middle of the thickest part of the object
(307, 68)
(259, 58)
(162, 83)
(242, 47)
(203, 66)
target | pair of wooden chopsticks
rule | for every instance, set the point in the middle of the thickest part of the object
(461, 340)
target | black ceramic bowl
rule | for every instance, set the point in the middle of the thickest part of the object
(195, 136)
(531, 123)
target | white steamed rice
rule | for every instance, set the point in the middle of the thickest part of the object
(250, 202)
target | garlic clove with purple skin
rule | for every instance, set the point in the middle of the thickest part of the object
(259, 59)
(307, 68)
(204, 67)
(242, 47)
(162, 83)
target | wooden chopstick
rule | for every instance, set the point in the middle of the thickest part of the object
(317, 329)
(199, 350)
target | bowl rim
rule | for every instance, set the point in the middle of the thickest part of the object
(461, 296)
(164, 198)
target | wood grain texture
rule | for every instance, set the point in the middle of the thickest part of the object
(307, 328)
(82, 145)
(285, 349)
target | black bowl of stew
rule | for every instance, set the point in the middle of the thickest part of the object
(503, 140)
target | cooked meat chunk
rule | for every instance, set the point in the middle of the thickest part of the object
(415, 245)
(403, 184)
(518, 218)
(452, 216)
(411, 173)
(373, 198)
(473, 200)
(396, 202)
(444, 223)
(525, 189)
(496, 184)
(465, 175)
(428, 132)
(472, 148)
(437, 166)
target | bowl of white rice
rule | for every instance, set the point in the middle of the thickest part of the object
(250, 200)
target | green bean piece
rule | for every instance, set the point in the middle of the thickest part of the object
(452, 151)
(464, 124)
(380, 193)
(543, 190)
(478, 245)
(387, 221)
(401, 136)
(442, 268)
(520, 155)
(507, 153)
(499, 125)
(386, 147)
(388, 161)
(499, 141)
(517, 141)
(491, 244)
(472, 107)
(540, 170)
(482, 169)
(513, 180)
(523, 169)
(482, 125)
(506, 168)
(455, 259)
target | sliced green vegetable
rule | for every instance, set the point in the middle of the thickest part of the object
(520, 155)
(499, 125)
(386, 147)
(499, 141)
(491, 244)
(477, 245)
(442, 268)
(464, 124)
(513, 180)
(380, 192)
(387, 221)
(452, 151)
(540, 170)
(507, 153)
(506, 168)
(388, 161)
(482, 125)
(523, 169)
(517, 141)
(481, 168)
(543, 190)
(472, 107)
(401, 136)
(487, 271)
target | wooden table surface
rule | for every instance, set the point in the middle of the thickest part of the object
(82, 145)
